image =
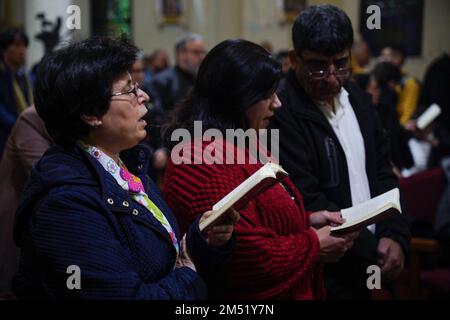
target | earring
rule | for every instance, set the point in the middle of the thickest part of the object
(96, 124)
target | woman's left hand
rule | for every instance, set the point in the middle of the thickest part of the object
(219, 234)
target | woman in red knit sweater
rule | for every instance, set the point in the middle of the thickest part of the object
(278, 253)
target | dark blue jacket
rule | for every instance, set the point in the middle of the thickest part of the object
(8, 108)
(73, 212)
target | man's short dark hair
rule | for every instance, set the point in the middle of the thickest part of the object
(322, 28)
(7, 38)
(77, 80)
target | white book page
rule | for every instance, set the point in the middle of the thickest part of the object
(428, 116)
(268, 170)
(240, 190)
(372, 207)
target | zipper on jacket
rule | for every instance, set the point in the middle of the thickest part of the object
(330, 148)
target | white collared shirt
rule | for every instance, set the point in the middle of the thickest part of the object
(346, 127)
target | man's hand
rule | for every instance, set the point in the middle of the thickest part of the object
(324, 218)
(333, 248)
(390, 258)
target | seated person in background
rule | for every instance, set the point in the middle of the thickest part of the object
(335, 148)
(409, 88)
(85, 207)
(383, 80)
(361, 56)
(280, 247)
(25, 146)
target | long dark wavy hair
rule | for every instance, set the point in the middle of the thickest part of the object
(234, 75)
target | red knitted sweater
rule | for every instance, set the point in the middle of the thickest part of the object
(276, 254)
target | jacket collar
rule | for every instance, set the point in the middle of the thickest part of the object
(309, 110)
(136, 160)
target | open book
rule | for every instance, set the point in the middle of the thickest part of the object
(267, 176)
(369, 212)
(428, 116)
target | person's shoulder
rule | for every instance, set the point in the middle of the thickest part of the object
(63, 166)
(30, 118)
(164, 76)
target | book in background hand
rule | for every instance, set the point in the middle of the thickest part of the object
(267, 176)
(372, 211)
(426, 118)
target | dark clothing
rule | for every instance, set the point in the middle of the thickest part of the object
(166, 90)
(170, 87)
(436, 88)
(315, 160)
(398, 136)
(73, 212)
(15, 96)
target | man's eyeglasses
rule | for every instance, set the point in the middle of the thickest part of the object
(342, 72)
(133, 92)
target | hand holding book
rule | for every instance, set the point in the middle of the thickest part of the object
(266, 177)
(372, 211)
(219, 234)
(323, 218)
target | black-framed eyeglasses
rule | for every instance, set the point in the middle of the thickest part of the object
(132, 92)
(320, 74)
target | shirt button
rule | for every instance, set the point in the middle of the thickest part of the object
(140, 167)
(125, 204)
(110, 201)
(135, 212)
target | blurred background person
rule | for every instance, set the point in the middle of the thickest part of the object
(361, 57)
(173, 84)
(167, 89)
(383, 80)
(283, 58)
(15, 87)
(409, 88)
(25, 146)
(155, 63)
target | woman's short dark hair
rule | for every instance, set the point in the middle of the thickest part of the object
(384, 72)
(322, 28)
(234, 75)
(7, 38)
(77, 80)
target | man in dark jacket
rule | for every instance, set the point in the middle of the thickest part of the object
(173, 84)
(334, 148)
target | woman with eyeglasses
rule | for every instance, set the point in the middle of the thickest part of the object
(278, 254)
(90, 224)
